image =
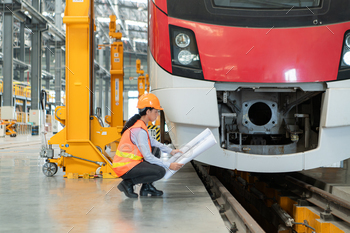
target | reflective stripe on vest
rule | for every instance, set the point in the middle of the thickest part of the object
(128, 155)
(120, 164)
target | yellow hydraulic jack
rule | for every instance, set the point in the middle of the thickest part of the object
(10, 128)
(142, 85)
(142, 80)
(117, 81)
(83, 139)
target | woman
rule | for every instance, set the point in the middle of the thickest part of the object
(133, 161)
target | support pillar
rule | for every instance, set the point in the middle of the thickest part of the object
(7, 111)
(47, 55)
(36, 61)
(8, 59)
(35, 83)
(36, 69)
(21, 50)
(58, 53)
(58, 75)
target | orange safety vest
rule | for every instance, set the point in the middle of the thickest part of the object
(128, 155)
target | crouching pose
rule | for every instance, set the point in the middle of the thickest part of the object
(134, 161)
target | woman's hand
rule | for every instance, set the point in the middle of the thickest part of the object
(175, 166)
(173, 152)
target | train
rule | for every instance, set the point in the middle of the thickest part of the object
(270, 79)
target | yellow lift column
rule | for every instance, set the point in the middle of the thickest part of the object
(142, 82)
(117, 80)
(147, 82)
(83, 139)
(141, 79)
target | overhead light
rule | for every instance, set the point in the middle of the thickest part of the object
(106, 20)
(137, 1)
(45, 13)
(103, 20)
(136, 23)
(124, 38)
(140, 40)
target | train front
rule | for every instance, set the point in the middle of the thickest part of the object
(269, 78)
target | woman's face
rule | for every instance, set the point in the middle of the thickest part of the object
(152, 114)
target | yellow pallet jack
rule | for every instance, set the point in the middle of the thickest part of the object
(83, 140)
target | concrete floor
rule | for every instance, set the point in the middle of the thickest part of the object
(32, 202)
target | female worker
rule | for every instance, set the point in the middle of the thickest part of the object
(133, 161)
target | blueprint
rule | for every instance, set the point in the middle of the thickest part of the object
(191, 150)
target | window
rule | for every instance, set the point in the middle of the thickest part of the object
(266, 4)
(132, 103)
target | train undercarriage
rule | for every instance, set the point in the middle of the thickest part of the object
(269, 121)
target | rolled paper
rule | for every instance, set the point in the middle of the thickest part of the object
(191, 150)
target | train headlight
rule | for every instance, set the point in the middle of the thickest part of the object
(182, 40)
(347, 40)
(185, 57)
(346, 58)
(344, 68)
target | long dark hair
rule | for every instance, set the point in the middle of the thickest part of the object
(135, 118)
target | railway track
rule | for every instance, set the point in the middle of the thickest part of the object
(240, 220)
(249, 209)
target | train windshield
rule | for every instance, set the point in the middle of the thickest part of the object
(266, 4)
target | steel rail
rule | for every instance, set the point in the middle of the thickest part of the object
(338, 206)
(239, 218)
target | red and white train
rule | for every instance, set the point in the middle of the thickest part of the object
(270, 78)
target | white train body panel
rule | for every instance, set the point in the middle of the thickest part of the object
(191, 105)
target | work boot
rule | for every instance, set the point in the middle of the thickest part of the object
(127, 187)
(150, 189)
(156, 190)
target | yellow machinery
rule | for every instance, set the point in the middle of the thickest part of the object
(83, 139)
(289, 207)
(142, 80)
(10, 127)
(143, 85)
(115, 119)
